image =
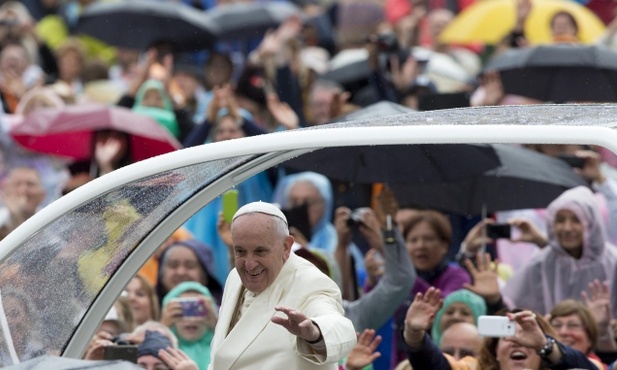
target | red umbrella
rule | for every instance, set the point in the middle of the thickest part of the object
(68, 131)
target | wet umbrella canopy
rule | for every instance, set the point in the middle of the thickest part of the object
(559, 73)
(525, 179)
(247, 20)
(73, 258)
(138, 24)
(68, 132)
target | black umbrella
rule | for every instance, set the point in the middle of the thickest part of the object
(247, 20)
(525, 179)
(559, 73)
(398, 163)
(138, 24)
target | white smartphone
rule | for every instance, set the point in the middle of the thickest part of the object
(496, 326)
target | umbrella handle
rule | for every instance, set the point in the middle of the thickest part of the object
(483, 247)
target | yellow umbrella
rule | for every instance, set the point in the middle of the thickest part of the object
(489, 21)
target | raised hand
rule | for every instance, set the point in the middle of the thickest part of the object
(591, 169)
(475, 238)
(403, 76)
(282, 112)
(297, 324)
(420, 315)
(493, 88)
(528, 332)
(341, 214)
(212, 316)
(529, 232)
(599, 302)
(289, 29)
(374, 266)
(386, 205)
(177, 360)
(107, 153)
(172, 312)
(485, 278)
(97, 346)
(364, 352)
(224, 230)
(523, 8)
(370, 229)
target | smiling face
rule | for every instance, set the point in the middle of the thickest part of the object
(569, 232)
(139, 301)
(511, 356)
(572, 332)
(191, 328)
(261, 247)
(181, 265)
(425, 247)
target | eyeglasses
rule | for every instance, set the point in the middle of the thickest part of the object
(557, 325)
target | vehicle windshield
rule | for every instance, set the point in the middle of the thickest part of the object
(50, 281)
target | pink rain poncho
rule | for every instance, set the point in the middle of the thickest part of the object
(553, 275)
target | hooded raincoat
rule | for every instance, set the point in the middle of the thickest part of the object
(198, 350)
(554, 275)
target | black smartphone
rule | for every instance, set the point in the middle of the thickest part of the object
(499, 231)
(298, 217)
(572, 160)
(126, 352)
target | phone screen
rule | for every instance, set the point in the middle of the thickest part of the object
(127, 352)
(193, 307)
(230, 204)
(572, 160)
(298, 218)
(499, 231)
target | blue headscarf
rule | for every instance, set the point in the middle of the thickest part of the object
(324, 234)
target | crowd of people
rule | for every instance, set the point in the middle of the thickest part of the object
(411, 282)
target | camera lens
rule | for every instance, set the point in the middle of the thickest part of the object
(120, 340)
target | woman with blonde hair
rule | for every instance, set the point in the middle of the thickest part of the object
(142, 299)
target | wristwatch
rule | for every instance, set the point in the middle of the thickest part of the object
(548, 347)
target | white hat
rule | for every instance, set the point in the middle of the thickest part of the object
(260, 207)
